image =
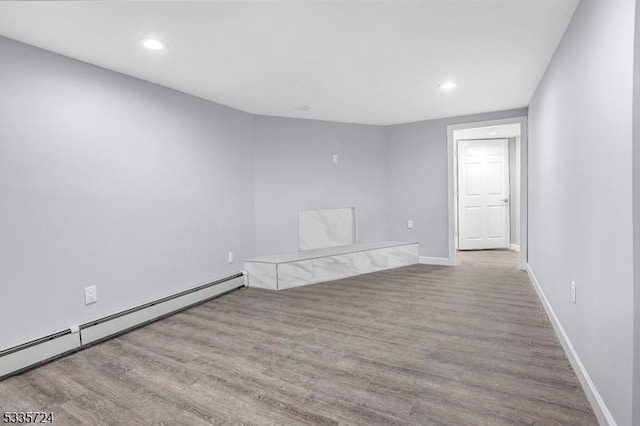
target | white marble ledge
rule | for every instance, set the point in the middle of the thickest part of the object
(304, 272)
(333, 251)
(279, 272)
(262, 275)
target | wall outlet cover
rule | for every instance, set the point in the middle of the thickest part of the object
(90, 295)
(410, 224)
(573, 292)
(230, 257)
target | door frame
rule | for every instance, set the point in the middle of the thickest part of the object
(452, 182)
(456, 188)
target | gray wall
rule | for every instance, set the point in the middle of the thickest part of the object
(580, 209)
(141, 190)
(417, 167)
(111, 181)
(636, 220)
(294, 171)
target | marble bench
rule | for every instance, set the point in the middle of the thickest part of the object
(282, 271)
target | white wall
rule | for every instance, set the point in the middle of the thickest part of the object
(294, 171)
(111, 181)
(580, 210)
(418, 185)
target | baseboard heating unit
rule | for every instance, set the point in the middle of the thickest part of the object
(31, 354)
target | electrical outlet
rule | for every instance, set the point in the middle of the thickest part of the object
(573, 292)
(90, 295)
(410, 224)
(230, 257)
(335, 159)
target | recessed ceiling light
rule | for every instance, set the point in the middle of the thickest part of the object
(153, 44)
(303, 108)
(447, 85)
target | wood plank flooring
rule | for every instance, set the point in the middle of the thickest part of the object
(428, 345)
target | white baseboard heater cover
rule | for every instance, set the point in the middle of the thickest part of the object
(28, 355)
(21, 357)
(103, 328)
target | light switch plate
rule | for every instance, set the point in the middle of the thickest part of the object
(230, 257)
(410, 224)
(336, 160)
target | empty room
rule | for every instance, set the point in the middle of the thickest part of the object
(320, 212)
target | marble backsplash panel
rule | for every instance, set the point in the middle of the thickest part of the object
(325, 228)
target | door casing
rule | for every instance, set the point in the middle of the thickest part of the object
(451, 183)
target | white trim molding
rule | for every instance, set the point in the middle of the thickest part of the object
(597, 403)
(515, 247)
(425, 260)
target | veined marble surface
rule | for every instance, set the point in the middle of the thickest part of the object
(334, 264)
(262, 275)
(326, 228)
(401, 255)
(295, 274)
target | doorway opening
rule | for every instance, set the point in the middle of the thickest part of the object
(487, 188)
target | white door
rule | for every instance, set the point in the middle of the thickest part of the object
(483, 194)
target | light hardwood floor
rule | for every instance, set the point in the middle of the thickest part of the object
(463, 345)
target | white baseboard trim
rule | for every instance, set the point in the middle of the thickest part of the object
(515, 247)
(425, 260)
(597, 403)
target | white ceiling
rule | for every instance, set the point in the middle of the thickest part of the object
(373, 62)
(489, 132)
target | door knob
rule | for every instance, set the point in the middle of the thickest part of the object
(505, 200)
